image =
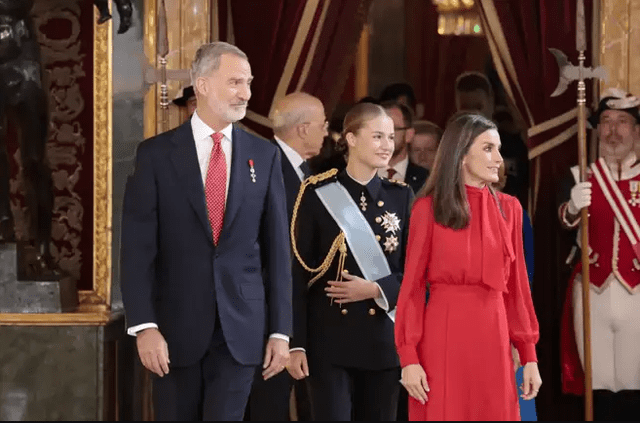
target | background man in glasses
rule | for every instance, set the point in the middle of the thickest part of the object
(400, 167)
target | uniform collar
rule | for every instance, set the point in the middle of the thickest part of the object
(355, 188)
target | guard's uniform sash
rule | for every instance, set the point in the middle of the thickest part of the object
(617, 203)
(362, 241)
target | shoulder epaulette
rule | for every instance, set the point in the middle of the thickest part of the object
(322, 178)
(394, 182)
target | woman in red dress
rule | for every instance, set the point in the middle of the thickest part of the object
(465, 246)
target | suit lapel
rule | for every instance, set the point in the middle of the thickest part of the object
(185, 161)
(291, 180)
(290, 176)
(238, 176)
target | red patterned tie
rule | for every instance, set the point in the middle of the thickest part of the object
(391, 171)
(216, 186)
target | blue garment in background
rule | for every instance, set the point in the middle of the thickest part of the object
(527, 408)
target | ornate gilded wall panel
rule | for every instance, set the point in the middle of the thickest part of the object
(187, 28)
(620, 44)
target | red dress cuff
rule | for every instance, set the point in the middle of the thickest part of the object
(527, 352)
(408, 355)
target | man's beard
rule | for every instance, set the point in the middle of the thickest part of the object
(616, 150)
(234, 114)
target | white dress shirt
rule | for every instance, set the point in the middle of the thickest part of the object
(400, 168)
(294, 158)
(204, 144)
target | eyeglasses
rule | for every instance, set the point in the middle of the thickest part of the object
(325, 125)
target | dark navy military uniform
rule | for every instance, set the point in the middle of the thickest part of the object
(350, 348)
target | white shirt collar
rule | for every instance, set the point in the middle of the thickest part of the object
(401, 167)
(628, 170)
(294, 158)
(201, 130)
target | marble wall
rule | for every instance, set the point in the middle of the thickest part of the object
(128, 109)
(620, 44)
(48, 373)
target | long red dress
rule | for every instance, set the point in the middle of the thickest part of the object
(479, 301)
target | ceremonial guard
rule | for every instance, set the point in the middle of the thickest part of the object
(349, 232)
(612, 195)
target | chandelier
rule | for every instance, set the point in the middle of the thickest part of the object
(458, 17)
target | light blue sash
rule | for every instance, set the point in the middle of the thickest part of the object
(362, 241)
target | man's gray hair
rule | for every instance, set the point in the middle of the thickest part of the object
(292, 110)
(207, 58)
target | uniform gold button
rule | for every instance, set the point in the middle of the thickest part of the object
(380, 203)
(345, 271)
(377, 237)
(372, 311)
(378, 219)
(344, 311)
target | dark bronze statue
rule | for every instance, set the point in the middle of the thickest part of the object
(23, 98)
(125, 11)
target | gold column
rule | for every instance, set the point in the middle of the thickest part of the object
(151, 98)
(188, 24)
(619, 44)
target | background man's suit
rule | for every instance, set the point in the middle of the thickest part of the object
(269, 400)
(416, 176)
(210, 302)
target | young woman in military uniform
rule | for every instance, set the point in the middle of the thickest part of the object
(349, 232)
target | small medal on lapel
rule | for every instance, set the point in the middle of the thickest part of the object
(252, 171)
(635, 189)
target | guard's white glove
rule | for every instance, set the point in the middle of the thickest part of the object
(580, 197)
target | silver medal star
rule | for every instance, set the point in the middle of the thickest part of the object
(390, 244)
(390, 222)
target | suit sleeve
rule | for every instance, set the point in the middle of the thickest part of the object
(277, 253)
(305, 234)
(139, 245)
(390, 285)
(412, 299)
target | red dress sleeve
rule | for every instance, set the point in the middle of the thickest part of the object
(411, 304)
(523, 324)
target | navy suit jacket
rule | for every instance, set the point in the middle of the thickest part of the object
(291, 182)
(174, 275)
(416, 176)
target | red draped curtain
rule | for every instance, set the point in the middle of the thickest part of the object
(520, 33)
(292, 46)
(434, 61)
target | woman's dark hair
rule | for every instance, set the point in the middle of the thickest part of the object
(446, 183)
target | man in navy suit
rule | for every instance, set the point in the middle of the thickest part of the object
(299, 125)
(400, 167)
(204, 218)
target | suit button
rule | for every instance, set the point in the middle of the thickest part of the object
(344, 311)
(372, 311)
(377, 237)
